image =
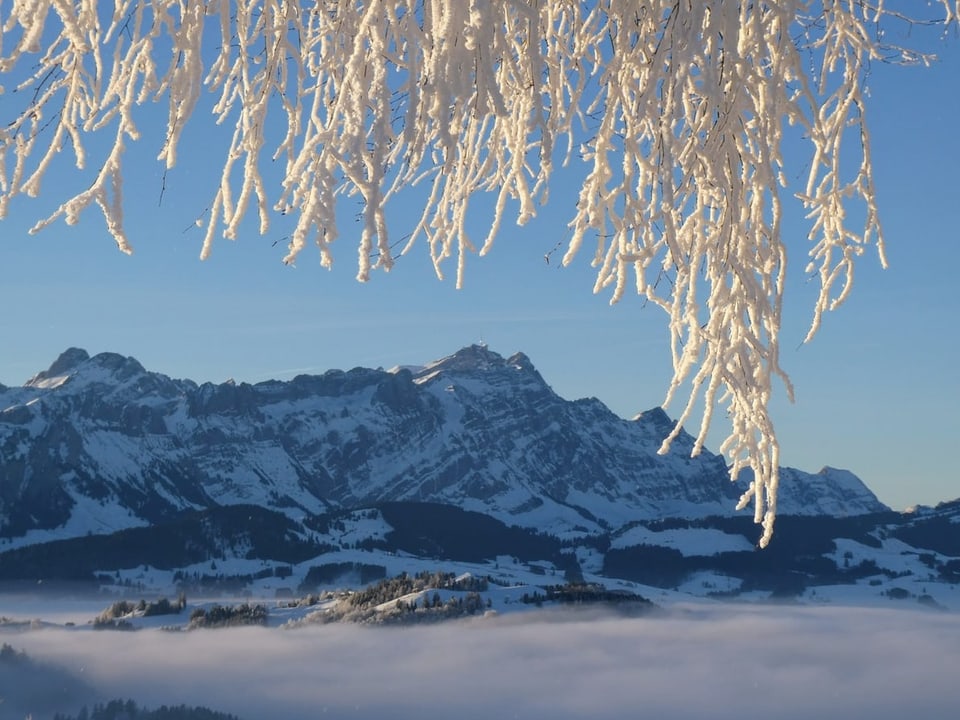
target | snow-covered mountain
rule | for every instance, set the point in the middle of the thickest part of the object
(96, 444)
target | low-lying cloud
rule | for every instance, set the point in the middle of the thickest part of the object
(692, 662)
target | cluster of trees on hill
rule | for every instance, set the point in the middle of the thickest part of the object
(220, 616)
(9, 655)
(404, 584)
(435, 596)
(117, 616)
(114, 617)
(583, 594)
(129, 710)
(329, 573)
(451, 533)
(415, 599)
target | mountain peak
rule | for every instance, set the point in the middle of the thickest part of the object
(69, 359)
(476, 356)
(656, 418)
(123, 366)
(520, 361)
(466, 359)
(75, 363)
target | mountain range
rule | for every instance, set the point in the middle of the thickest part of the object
(106, 466)
(95, 444)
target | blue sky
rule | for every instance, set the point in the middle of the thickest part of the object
(876, 391)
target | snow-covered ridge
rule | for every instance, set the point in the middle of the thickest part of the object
(98, 441)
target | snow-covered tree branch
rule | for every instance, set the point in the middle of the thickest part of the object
(676, 110)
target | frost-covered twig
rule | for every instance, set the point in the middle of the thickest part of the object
(677, 108)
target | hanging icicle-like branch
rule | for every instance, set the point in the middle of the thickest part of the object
(676, 108)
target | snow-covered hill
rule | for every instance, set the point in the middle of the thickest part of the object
(96, 444)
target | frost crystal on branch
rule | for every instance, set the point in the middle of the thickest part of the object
(675, 108)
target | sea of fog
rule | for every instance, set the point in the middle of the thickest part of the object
(691, 661)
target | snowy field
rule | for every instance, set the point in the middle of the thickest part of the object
(693, 660)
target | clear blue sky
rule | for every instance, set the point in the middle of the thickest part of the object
(877, 391)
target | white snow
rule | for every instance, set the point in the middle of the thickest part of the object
(690, 541)
(88, 516)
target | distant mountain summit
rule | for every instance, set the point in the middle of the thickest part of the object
(96, 444)
(69, 359)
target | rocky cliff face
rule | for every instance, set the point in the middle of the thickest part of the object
(94, 444)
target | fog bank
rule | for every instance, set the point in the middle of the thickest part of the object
(719, 662)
